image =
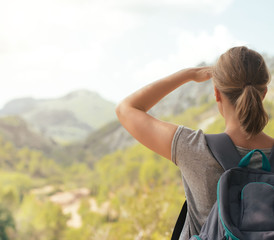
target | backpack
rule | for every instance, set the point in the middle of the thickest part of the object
(244, 209)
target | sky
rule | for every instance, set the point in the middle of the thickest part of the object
(49, 48)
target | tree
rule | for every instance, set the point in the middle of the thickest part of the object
(40, 220)
(6, 223)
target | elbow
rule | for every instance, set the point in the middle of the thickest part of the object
(119, 110)
(123, 111)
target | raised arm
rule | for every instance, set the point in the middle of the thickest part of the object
(151, 132)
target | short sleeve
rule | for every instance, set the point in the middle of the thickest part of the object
(186, 144)
(200, 174)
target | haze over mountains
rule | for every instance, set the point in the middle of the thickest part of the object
(84, 120)
(53, 150)
(66, 119)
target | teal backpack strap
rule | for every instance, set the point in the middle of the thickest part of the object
(223, 150)
(226, 154)
(246, 160)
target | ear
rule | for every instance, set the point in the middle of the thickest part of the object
(217, 94)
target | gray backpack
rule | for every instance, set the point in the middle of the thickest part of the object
(245, 197)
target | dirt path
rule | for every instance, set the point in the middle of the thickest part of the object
(70, 202)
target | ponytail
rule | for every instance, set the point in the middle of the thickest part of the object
(250, 111)
(242, 75)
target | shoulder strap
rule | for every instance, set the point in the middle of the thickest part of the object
(225, 152)
(271, 159)
(223, 149)
(228, 157)
(180, 223)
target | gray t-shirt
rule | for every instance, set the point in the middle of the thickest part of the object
(200, 175)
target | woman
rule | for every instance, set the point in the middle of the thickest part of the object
(240, 80)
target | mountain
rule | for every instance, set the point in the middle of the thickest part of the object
(86, 119)
(113, 136)
(188, 95)
(66, 119)
(14, 129)
(192, 104)
(108, 139)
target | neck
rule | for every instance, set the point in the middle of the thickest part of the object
(235, 131)
(233, 128)
(232, 124)
(239, 137)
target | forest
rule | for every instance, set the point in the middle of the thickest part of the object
(80, 191)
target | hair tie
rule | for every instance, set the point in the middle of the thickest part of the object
(248, 84)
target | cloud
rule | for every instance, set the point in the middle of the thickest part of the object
(48, 48)
(192, 49)
(195, 6)
(32, 23)
(204, 46)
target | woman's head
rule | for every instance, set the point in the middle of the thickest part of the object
(242, 76)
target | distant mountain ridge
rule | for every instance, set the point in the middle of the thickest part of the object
(66, 119)
(113, 136)
(86, 119)
(15, 130)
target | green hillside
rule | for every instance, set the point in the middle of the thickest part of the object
(129, 193)
(17, 131)
(117, 180)
(106, 186)
(67, 119)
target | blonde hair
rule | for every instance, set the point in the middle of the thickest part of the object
(242, 75)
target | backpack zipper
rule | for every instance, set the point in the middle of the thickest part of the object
(227, 232)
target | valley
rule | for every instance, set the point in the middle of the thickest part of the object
(70, 171)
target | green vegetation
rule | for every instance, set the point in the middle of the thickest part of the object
(193, 116)
(269, 129)
(131, 193)
(137, 193)
(217, 126)
(6, 223)
(39, 220)
(66, 119)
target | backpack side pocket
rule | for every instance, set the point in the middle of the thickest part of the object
(257, 201)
